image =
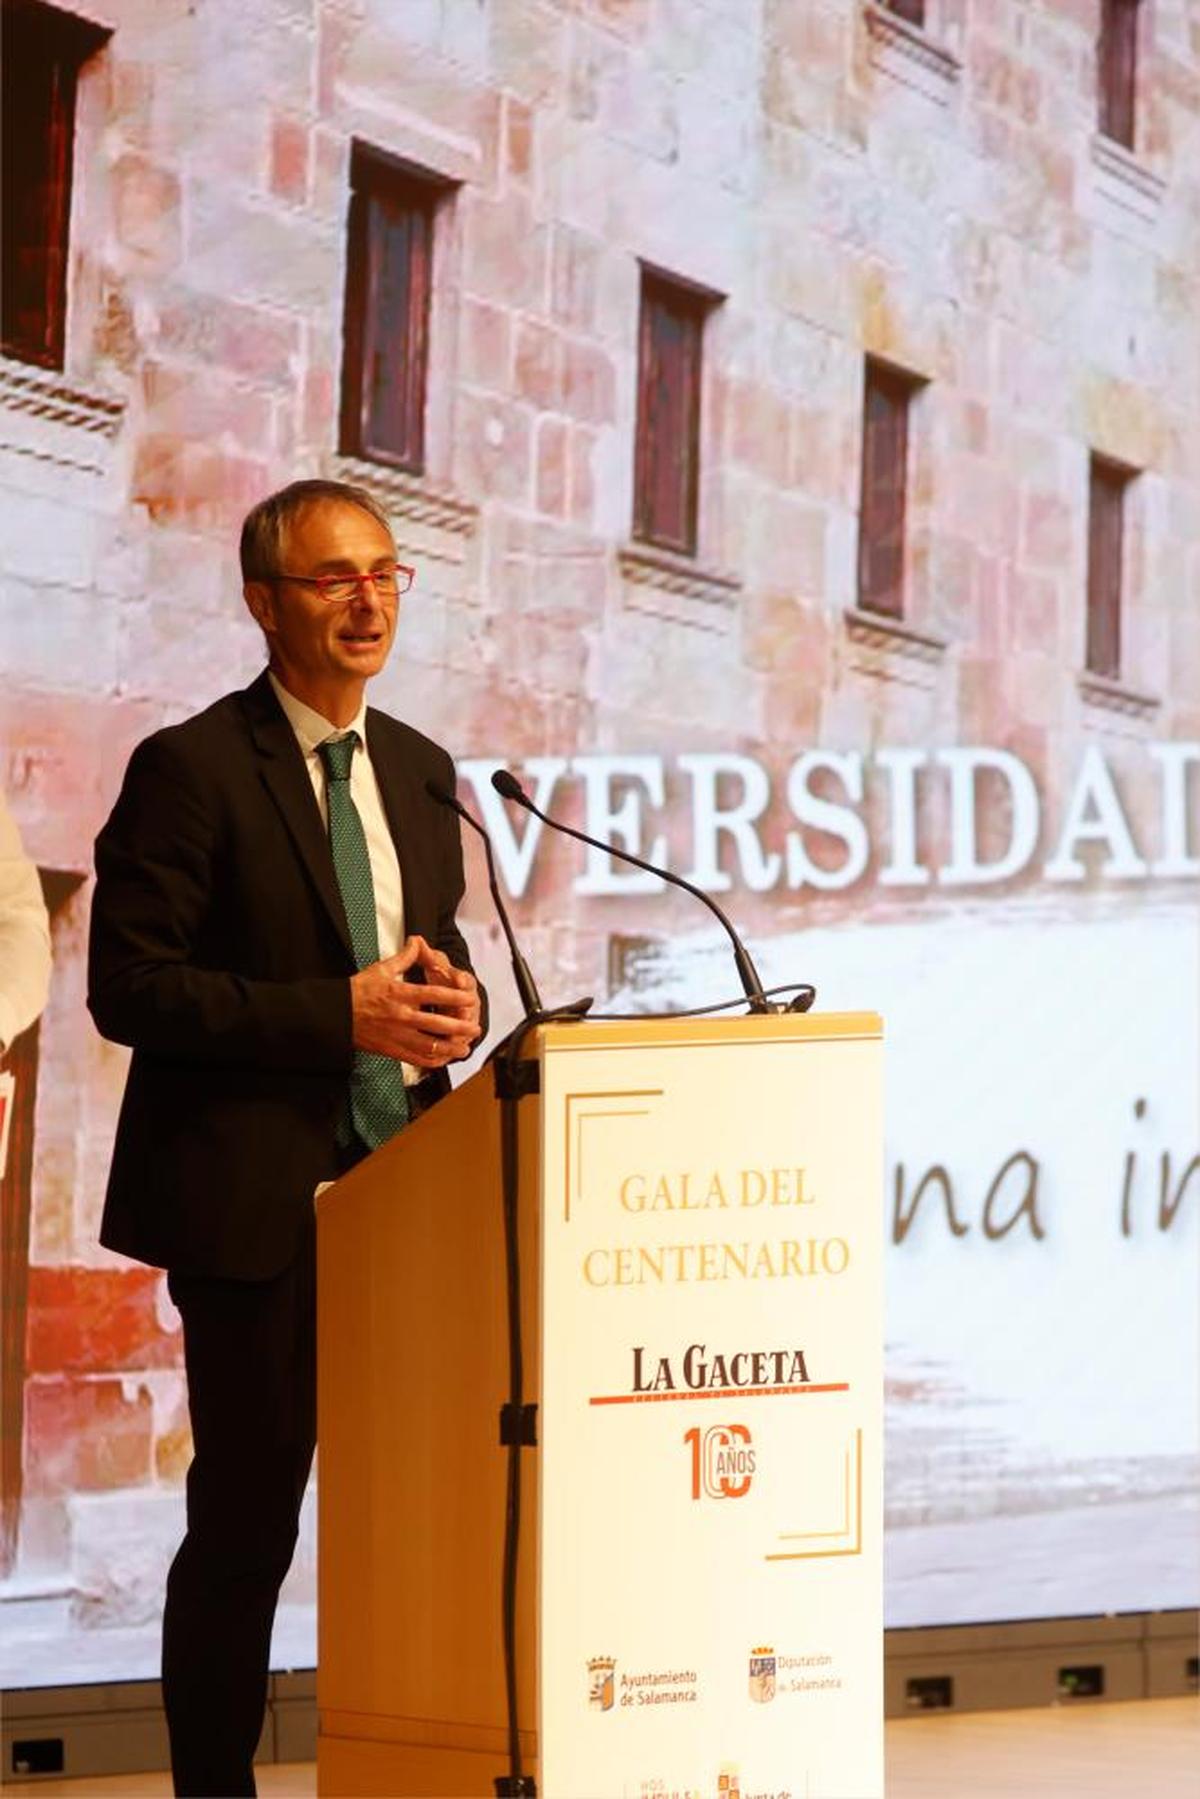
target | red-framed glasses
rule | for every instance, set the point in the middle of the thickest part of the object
(388, 583)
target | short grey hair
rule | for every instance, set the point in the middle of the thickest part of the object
(265, 527)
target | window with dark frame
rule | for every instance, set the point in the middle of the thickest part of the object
(1107, 488)
(385, 348)
(912, 10)
(666, 473)
(887, 397)
(1117, 70)
(42, 50)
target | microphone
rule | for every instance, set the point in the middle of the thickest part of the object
(510, 788)
(526, 985)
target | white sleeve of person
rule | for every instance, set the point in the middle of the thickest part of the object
(24, 935)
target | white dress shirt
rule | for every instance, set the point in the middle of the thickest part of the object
(24, 935)
(311, 729)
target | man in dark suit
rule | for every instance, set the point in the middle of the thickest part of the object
(273, 932)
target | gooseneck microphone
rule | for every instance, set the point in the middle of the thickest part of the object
(526, 985)
(510, 788)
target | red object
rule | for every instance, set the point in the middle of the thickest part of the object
(332, 587)
(87, 1435)
(97, 1320)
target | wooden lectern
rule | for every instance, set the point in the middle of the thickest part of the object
(699, 1593)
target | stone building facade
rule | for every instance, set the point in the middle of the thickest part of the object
(844, 186)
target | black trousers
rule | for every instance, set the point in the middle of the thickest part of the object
(250, 1350)
(250, 1353)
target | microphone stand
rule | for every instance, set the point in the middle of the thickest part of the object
(518, 1421)
(510, 788)
(535, 1011)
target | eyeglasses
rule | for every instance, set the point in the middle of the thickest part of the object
(388, 583)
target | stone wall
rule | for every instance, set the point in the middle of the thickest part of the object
(939, 200)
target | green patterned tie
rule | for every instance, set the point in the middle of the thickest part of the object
(378, 1101)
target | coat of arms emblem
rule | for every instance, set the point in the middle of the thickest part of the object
(762, 1675)
(601, 1682)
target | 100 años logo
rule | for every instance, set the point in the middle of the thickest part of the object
(722, 1461)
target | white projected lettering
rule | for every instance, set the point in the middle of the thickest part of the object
(997, 819)
(838, 821)
(514, 854)
(965, 868)
(759, 870)
(904, 869)
(1095, 815)
(619, 821)
(1175, 759)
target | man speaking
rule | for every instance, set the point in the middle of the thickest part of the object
(273, 932)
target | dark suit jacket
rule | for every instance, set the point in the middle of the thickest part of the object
(220, 952)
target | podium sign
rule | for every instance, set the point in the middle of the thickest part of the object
(698, 1603)
(711, 1611)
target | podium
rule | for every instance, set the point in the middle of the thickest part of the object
(699, 1581)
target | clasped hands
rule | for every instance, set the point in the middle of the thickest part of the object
(427, 1023)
